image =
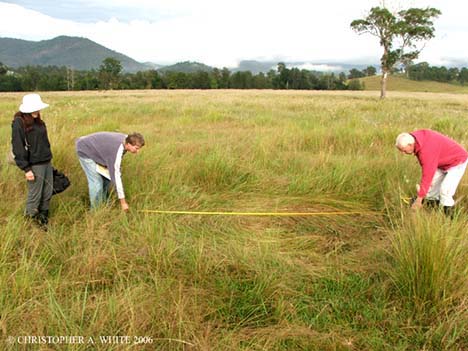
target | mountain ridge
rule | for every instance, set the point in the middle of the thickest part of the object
(76, 52)
(84, 54)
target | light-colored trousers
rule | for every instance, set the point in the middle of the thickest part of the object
(445, 183)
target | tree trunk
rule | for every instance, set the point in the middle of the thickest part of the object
(383, 85)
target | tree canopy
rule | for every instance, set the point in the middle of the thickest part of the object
(109, 72)
(3, 69)
(400, 35)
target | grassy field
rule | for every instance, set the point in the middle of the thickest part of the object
(399, 83)
(385, 279)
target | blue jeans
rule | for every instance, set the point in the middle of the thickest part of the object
(97, 184)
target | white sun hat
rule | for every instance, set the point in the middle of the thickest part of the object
(32, 103)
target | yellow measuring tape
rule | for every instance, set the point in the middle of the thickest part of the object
(406, 200)
(272, 214)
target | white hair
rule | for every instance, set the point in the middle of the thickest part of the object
(404, 139)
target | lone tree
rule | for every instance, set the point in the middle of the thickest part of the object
(109, 73)
(401, 35)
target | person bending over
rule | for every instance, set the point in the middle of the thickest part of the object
(443, 162)
(100, 155)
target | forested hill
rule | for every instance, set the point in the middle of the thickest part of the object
(78, 53)
(186, 67)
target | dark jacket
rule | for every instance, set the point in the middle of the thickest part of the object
(30, 148)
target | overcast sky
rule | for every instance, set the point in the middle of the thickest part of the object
(221, 33)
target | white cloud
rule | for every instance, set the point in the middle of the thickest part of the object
(319, 67)
(220, 33)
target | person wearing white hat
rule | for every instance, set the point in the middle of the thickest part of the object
(31, 148)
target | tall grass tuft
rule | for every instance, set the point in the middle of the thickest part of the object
(429, 268)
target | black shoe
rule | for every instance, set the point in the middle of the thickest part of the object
(40, 219)
(43, 217)
(449, 211)
(431, 203)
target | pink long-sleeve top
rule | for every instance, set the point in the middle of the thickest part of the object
(435, 151)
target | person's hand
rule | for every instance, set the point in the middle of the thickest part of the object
(417, 204)
(124, 205)
(29, 175)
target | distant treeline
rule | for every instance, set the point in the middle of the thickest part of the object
(422, 71)
(110, 76)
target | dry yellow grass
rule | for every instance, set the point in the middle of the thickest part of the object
(401, 84)
(227, 283)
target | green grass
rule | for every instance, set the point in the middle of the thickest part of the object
(400, 83)
(382, 280)
(429, 267)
